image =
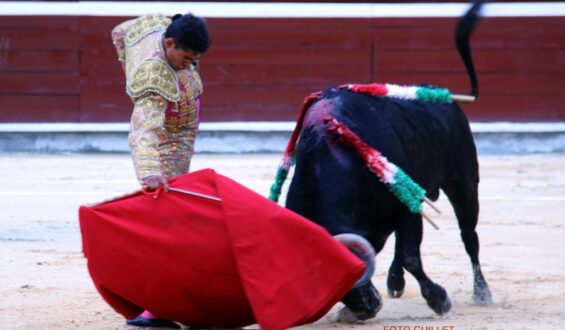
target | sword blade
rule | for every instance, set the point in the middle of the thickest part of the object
(188, 192)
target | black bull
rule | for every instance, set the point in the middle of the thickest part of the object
(334, 188)
(431, 142)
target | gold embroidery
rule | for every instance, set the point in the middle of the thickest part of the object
(155, 76)
(164, 121)
(158, 150)
(145, 128)
(191, 79)
(145, 25)
(171, 121)
(183, 114)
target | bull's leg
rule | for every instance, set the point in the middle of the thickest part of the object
(409, 236)
(395, 281)
(465, 201)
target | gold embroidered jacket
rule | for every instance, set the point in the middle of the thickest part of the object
(164, 121)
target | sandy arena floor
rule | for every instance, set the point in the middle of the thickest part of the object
(44, 283)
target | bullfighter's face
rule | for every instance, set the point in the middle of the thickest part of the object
(178, 58)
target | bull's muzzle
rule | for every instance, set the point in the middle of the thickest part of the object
(362, 249)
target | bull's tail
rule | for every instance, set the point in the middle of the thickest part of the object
(463, 31)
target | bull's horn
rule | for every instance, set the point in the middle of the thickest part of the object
(363, 249)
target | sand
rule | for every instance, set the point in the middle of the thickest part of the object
(44, 283)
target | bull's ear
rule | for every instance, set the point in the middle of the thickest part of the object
(362, 249)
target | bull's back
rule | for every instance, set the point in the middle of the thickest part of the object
(425, 139)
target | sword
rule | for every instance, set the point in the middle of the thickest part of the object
(188, 192)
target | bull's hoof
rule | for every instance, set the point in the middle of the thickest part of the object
(437, 299)
(481, 292)
(345, 315)
(363, 302)
(441, 307)
(482, 296)
(395, 293)
(395, 285)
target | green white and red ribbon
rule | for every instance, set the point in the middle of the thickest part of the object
(429, 94)
(288, 156)
(395, 179)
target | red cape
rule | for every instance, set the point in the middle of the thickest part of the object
(205, 263)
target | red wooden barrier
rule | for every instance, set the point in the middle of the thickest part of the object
(64, 68)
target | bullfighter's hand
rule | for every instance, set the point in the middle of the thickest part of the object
(153, 182)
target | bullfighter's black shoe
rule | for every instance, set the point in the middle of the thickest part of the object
(144, 322)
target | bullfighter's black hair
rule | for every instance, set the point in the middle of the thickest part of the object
(189, 32)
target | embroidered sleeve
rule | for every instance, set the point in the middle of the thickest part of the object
(118, 34)
(145, 127)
